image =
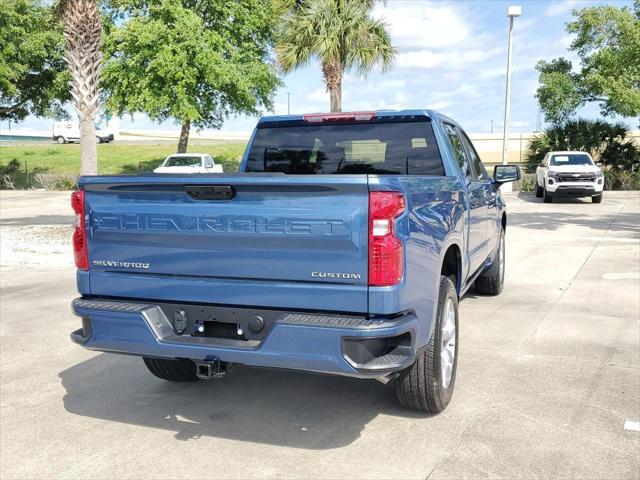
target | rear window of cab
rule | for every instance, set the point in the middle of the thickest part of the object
(391, 148)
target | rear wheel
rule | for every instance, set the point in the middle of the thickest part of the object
(61, 140)
(546, 196)
(491, 282)
(173, 370)
(539, 189)
(427, 385)
(597, 198)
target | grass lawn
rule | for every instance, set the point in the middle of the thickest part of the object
(115, 158)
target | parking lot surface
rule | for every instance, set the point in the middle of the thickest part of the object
(549, 372)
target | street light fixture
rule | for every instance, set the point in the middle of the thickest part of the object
(512, 12)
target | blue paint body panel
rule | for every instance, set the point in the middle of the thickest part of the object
(148, 239)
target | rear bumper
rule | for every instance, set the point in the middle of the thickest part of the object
(344, 345)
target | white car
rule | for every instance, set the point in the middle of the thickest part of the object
(189, 163)
(69, 132)
(569, 174)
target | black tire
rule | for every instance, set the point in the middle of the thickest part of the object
(546, 196)
(539, 189)
(178, 370)
(597, 198)
(491, 282)
(98, 139)
(422, 386)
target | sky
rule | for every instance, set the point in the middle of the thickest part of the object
(451, 58)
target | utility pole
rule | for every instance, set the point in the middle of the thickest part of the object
(288, 104)
(512, 12)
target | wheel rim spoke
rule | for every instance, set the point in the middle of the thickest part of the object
(448, 342)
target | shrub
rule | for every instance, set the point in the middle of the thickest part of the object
(10, 168)
(525, 184)
(605, 142)
(8, 174)
(52, 181)
(621, 180)
(7, 182)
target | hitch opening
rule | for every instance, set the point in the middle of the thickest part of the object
(211, 369)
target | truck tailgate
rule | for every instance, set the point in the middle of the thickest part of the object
(296, 242)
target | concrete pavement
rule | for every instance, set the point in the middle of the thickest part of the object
(549, 372)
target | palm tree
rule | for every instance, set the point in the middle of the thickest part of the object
(341, 34)
(82, 42)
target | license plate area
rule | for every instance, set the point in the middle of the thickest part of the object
(207, 321)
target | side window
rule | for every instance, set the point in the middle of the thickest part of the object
(477, 168)
(208, 162)
(458, 150)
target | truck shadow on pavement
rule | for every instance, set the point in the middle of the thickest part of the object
(273, 407)
(554, 219)
(530, 197)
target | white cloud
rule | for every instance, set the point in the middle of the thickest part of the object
(560, 8)
(439, 105)
(318, 95)
(565, 41)
(452, 59)
(416, 25)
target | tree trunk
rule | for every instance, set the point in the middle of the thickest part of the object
(332, 73)
(184, 136)
(335, 97)
(82, 44)
(88, 148)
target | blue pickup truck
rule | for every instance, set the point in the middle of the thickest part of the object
(342, 246)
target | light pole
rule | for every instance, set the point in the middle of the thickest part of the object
(512, 12)
(288, 105)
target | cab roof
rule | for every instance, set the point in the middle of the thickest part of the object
(431, 114)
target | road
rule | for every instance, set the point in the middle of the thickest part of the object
(549, 372)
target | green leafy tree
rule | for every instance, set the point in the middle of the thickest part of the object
(194, 61)
(341, 34)
(609, 143)
(607, 42)
(33, 73)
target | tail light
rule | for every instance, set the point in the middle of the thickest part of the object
(79, 233)
(386, 250)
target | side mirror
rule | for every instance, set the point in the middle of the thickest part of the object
(505, 173)
(541, 164)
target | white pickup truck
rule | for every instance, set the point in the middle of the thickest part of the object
(569, 174)
(189, 163)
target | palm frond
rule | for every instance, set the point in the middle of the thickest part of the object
(334, 31)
